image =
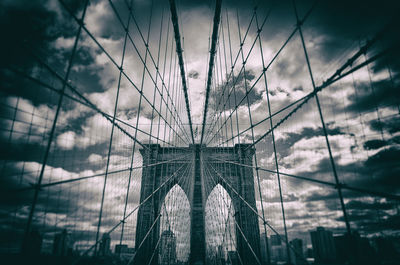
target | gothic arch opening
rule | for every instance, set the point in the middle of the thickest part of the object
(174, 244)
(219, 226)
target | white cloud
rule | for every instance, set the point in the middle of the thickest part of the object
(66, 140)
(95, 158)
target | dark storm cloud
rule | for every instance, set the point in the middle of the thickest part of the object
(21, 151)
(379, 171)
(291, 138)
(374, 144)
(23, 21)
(14, 84)
(75, 124)
(31, 28)
(391, 126)
(321, 195)
(369, 96)
(328, 198)
(237, 84)
(373, 222)
(10, 199)
(357, 19)
(362, 205)
(85, 71)
(385, 167)
(371, 216)
(53, 200)
(34, 152)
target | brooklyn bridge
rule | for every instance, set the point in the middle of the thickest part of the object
(199, 132)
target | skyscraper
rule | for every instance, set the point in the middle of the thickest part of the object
(167, 248)
(277, 249)
(105, 245)
(62, 245)
(323, 245)
(263, 248)
(297, 256)
(275, 240)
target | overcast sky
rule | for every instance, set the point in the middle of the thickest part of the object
(361, 111)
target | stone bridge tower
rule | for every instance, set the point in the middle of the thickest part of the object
(187, 163)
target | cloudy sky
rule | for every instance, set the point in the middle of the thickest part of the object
(361, 111)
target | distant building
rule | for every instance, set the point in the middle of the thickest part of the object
(62, 244)
(264, 248)
(120, 248)
(123, 251)
(355, 249)
(324, 249)
(275, 240)
(168, 248)
(277, 249)
(309, 255)
(296, 250)
(105, 243)
(278, 253)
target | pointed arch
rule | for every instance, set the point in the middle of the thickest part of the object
(219, 224)
(175, 225)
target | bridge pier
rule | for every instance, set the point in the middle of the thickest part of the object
(197, 239)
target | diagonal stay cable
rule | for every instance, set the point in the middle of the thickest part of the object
(240, 51)
(144, 239)
(263, 120)
(155, 221)
(265, 69)
(318, 89)
(146, 44)
(115, 63)
(251, 208)
(236, 224)
(247, 56)
(52, 130)
(86, 101)
(144, 61)
(233, 64)
(334, 185)
(240, 197)
(93, 176)
(338, 75)
(155, 249)
(134, 210)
